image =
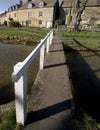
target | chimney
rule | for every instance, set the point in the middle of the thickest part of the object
(21, 2)
(29, 1)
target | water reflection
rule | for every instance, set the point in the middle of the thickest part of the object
(9, 56)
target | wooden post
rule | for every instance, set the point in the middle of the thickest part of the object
(21, 96)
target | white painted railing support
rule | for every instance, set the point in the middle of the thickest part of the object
(47, 45)
(51, 38)
(20, 96)
(42, 56)
(19, 77)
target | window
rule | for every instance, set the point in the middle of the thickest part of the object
(40, 22)
(67, 12)
(40, 13)
(29, 22)
(14, 14)
(29, 14)
(9, 15)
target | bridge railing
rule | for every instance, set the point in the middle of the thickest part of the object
(19, 77)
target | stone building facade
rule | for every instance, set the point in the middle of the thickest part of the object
(33, 13)
(90, 16)
(44, 13)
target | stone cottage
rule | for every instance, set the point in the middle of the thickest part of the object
(33, 13)
(90, 16)
(44, 13)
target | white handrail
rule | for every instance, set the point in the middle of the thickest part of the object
(19, 77)
(17, 74)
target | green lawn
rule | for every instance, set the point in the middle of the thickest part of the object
(83, 38)
(87, 34)
(33, 34)
(8, 121)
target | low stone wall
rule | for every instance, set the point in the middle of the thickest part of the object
(7, 107)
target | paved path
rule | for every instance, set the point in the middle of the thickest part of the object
(50, 102)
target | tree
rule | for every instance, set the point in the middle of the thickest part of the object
(78, 7)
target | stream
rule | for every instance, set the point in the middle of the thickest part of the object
(10, 55)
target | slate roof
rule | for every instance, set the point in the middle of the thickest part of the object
(47, 3)
(93, 3)
(68, 3)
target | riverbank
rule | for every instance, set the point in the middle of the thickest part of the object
(19, 42)
(22, 35)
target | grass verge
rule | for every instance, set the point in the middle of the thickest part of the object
(87, 40)
(83, 121)
(88, 34)
(8, 121)
(83, 39)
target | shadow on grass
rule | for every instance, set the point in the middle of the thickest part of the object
(77, 42)
(85, 83)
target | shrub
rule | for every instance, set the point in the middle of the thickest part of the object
(5, 23)
(7, 121)
(14, 24)
(98, 25)
(57, 22)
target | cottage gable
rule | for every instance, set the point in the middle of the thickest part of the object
(41, 4)
(30, 5)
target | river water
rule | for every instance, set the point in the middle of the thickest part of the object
(84, 73)
(9, 55)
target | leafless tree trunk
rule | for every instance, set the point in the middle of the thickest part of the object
(78, 7)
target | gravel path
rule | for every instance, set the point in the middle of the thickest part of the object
(51, 100)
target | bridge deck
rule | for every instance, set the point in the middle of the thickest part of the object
(50, 102)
